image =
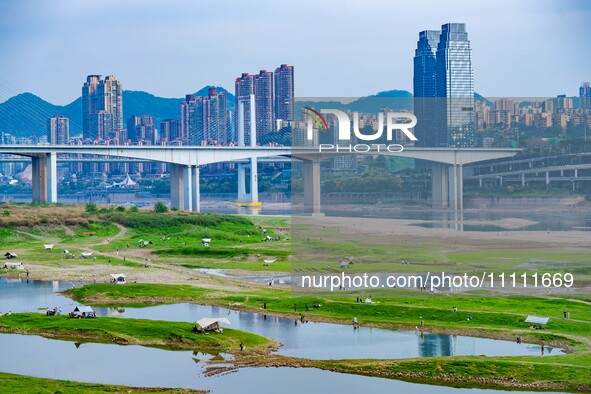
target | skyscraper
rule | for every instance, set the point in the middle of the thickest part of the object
(204, 119)
(170, 130)
(454, 87)
(244, 87)
(90, 106)
(585, 95)
(102, 106)
(58, 130)
(141, 129)
(424, 88)
(284, 93)
(263, 91)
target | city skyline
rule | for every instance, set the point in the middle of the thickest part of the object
(506, 66)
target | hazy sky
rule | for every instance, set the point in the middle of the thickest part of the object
(338, 47)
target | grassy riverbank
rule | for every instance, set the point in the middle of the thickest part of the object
(25, 384)
(500, 317)
(173, 335)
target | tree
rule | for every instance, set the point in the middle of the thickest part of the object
(91, 208)
(120, 208)
(160, 207)
(133, 208)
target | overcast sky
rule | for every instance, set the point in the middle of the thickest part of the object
(338, 47)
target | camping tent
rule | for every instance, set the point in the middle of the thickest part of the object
(82, 309)
(268, 262)
(537, 320)
(118, 278)
(86, 254)
(205, 241)
(17, 265)
(211, 323)
(48, 246)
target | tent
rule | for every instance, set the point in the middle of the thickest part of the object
(205, 241)
(211, 323)
(10, 255)
(48, 246)
(537, 320)
(268, 262)
(83, 311)
(17, 265)
(142, 244)
(86, 254)
(118, 278)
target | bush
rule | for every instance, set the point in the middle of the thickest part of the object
(133, 209)
(160, 207)
(120, 208)
(91, 208)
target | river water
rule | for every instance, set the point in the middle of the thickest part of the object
(319, 341)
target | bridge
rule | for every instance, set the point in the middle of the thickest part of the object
(184, 161)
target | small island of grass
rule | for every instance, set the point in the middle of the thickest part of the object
(156, 333)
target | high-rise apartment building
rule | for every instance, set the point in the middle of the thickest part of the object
(424, 88)
(58, 130)
(243, 88)
(585, 95)
(455, 87)
(284, 93)
(263, 91)
(140, 129)
(170, 130)
(205, 119)
(102, 106)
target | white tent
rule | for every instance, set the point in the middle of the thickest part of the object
(86, 254)
(211, 323)
(16, 265)
(537, 320)
(118, 278)
(205, 241)
(80, 309)
(268, 262)
(48, 246)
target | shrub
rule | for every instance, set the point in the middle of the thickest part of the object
(160, 207)
(91, 208)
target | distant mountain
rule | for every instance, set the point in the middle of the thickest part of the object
(26, 114)
(397, 100)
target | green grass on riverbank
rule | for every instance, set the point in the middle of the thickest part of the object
(173, 335)
(492, 316)
(10, 383)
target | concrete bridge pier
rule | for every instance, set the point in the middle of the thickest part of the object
(252, 198)
(44, 177)
(312, 187)
(184, 187)
(447, 186)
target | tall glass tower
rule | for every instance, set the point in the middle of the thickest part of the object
(585, 95)
(424, 91)
(455, 87)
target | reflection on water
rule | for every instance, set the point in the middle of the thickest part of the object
(150, 367)
(310, 340)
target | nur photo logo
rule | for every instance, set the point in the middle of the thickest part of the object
(392, 121)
